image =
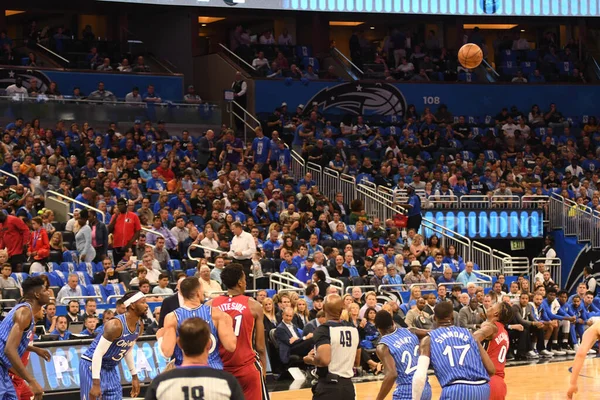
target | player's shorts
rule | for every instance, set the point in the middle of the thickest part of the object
(497, 388)
(462, 391)
(251, 381)
(404, 392)
(110, 384)
(7, 389)
(21, 387)
(343, 389)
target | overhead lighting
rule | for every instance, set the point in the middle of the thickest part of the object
(8, 13)
(209, 20)
(203, 25)
(522, 30)
(345, 23)
(372, 27)
(490, 26)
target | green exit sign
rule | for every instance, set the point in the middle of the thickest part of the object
(517, 245)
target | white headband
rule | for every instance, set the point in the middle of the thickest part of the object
(133, 299)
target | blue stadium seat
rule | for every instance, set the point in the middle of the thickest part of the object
(491, 155)
(532, 55)
(528, 67)
(306, 61)
(19, 277)
(71, 256)
(467, 77)
(303, 51)
(172, 265)
(564, 68)
(90, 268)
(84, 278)
(191, 271)
(57, 278)
(68, 267)
(113, 289)
(508, 55)
(95, 290)
(52, 266)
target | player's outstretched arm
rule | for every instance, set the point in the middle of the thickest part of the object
(112, 330)
(169, 337)
(487, 331)
(21, 323)
(418, 332)
(42, 353)
(224, 325)
(389, 366)
(487, 361)
(420, 376)
(587, 342)
(259, 333)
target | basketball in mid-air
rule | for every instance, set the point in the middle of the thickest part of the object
(470, 56)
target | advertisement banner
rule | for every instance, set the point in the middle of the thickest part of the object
(62, 372)
(383, 98)
(521, 8)
(490, 224)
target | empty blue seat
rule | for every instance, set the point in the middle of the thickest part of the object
(57, 278)
(528, 67)
(19, 277)
(95, 290)
(564, 68)
(90, 268)
(303, 51)
(314, 62)
(173, 265)
(68, 267)
(71, 256)
(191, 271)
(508, 55)
(113, 289)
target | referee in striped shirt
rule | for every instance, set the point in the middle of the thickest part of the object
(334, 354)
(194, 380)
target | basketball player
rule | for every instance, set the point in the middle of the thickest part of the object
(16, 333)
(494, 332)
(334, 354)
(98, 371)
(247, 315)
(398, 350)
(590, 337)
(22, 389)
(219, 322)
(460, 363)
(195, 379)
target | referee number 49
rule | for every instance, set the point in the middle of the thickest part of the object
(193, 393)
(345, 339)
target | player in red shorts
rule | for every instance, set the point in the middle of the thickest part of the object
(492, 330)
(21, 387)
(247, 314)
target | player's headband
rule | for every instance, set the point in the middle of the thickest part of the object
(133, 299)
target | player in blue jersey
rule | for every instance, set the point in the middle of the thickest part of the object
(16, 333)
(398, 350)
(220, 323)
(460, 363)
(98, 373)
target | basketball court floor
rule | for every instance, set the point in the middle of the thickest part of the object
(544, 381)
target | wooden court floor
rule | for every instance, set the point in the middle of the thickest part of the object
(529, 382)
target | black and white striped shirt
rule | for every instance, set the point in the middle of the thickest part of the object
(343, 339)
(194, 383)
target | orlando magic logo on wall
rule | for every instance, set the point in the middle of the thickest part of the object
(490, 6)
(8, 76)
(361, 98)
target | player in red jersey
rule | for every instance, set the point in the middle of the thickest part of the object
(247, 315)
(21, 387)
(493, 331)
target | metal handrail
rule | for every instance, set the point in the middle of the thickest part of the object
(282, 281)
(252, 117)
(53, 53)
(80, 298)
(243, 119)
(153, 232)
(349, 288)
(339, 285)
(199, 246)
(3, 172)
(52, 192)
(348, 61)
(491, 68)
(236, 56)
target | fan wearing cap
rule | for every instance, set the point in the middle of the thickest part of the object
(125, 227)
(98, 371)
(259, 214)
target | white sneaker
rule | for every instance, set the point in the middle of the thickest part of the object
(558, 352)
(546, 353)
(532, 354)
(576, 348)
(592, 351)
(569, 350)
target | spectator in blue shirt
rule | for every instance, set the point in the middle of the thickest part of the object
(392, 278)
(260, 147)
(467, 275)
(446, 277)
(306, 272)
(180, 202)
(151, 96)
(339, 232)
(62, 328)
(313, 245)
(155, 184)
(287, 264)
(273, 244)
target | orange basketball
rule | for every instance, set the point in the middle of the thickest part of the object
(470, 56)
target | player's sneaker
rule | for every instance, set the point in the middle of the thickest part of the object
(592, 351)
(546, 353)
(568, 349)
(532, 354)
(558, 352)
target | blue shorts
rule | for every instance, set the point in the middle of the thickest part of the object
(7, 389)
(110, 383)
(404, 392)
(461, 391)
